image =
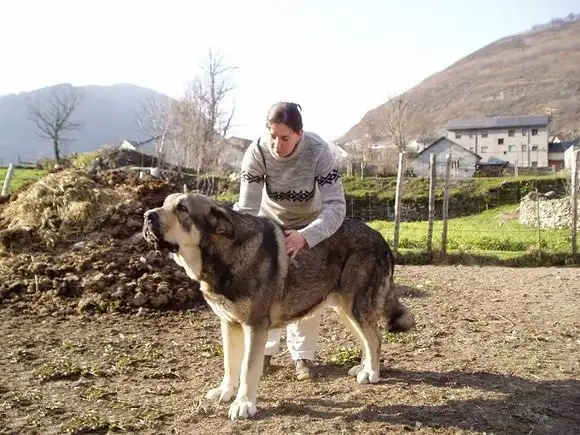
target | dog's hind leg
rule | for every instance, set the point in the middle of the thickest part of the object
(244, 405)
(233, 347)
(368, 334)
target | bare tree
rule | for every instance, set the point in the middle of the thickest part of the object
(52, 116)
(396, 128)
(154, 122)
(207, 96)
(426, 133)
(396, 116)
(185, 134)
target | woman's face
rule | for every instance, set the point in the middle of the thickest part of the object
(283, 138)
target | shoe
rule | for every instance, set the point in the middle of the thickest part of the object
(304, 369)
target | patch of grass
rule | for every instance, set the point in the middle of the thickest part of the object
(21, 399)
(416, 187)
(162, 374)
(345, 356)
(21, 177)
(63, 368)
(211, 349)
(392, 337)
(486, 231)
(94, 424)
(152, 414)
(83, 160)
(94, 392)
(532, 258)
(73, 347)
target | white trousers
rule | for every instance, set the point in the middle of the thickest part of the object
(301, 338)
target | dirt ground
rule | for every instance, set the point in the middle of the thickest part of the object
(99, 335)
(496, 350)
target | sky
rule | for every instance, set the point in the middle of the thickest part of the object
(337, 58)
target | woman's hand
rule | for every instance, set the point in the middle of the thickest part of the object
(294, 242)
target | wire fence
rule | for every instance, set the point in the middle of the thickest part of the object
(504, 222)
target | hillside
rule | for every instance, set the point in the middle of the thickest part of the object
(519, 74)
(109, 114)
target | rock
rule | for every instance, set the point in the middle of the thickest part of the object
(139, 299)
(159, 300)
(78, 245)
(554, 213)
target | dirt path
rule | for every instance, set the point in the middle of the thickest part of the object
(496, 350)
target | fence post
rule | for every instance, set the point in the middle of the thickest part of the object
(432, 183)
(7, 180)
(398, 205)
(445, 210)
(574, 200)
(539, 222)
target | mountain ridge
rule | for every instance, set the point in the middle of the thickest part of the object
(520, 74)
(109, 114)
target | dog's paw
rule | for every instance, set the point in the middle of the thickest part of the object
(220, 394)
(242, 408)
(367, 376)
(355, 370)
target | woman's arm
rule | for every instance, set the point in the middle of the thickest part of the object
(251, 181)
(333, 200)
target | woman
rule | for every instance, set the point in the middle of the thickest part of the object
(304, 194)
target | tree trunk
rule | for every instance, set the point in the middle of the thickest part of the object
(56, 151)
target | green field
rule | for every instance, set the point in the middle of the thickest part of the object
(20, 177)
(495, 230)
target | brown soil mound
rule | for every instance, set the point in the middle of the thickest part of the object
(72, 241)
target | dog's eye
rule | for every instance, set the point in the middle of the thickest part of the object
(181, 208)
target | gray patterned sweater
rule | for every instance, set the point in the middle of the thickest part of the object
(303, 190)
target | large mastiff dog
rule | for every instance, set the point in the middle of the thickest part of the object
(249, 281)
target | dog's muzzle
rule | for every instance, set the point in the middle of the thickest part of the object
(152, 233)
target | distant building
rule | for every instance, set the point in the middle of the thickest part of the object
(519, 140)
(463, 161)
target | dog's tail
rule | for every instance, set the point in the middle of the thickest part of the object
(399, 318)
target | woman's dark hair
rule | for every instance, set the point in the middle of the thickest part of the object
(285, 113)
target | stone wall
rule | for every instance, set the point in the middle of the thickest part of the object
(554, 213)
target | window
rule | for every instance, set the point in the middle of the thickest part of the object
(534, 131)
(500, 141)
(511, 148)
(483, 149)
(483, 134)
(524, 131)
(534, 147)
(457, 135)
(470, 135)
(534, 164)
(511, 133)
(524, 148)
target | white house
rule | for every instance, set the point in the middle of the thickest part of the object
(463, 161)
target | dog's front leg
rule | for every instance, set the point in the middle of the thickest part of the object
(255, 341)
(233, 347)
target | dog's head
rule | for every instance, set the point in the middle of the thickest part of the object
(183, 220)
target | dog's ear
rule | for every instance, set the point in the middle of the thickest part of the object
(220, 222)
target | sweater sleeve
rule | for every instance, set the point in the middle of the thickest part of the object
(333, 200)
(251, 181)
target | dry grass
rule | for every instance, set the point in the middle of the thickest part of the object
(64, 202)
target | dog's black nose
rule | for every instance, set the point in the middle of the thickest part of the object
(151, 216)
